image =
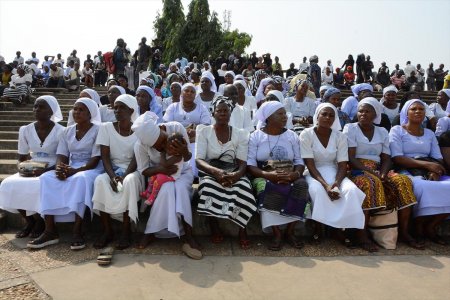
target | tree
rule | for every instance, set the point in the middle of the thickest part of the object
(235, 40)
(168, 28)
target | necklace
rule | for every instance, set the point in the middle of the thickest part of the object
(186, 111)
(47, 132)
(272, 148)
(229, 135)
(118, 126)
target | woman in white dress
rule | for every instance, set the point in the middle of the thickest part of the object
(175, 89)
(389, 101)
(208, 90)
(225, 194)
(86, 93)
(188, 113)
(270, 144)
(116, 192)
(229, 78)
(107, 111)
(336, 200)
(438, 108)
(146, 99)
(300, 105)
(38, 142)
(247, 102)
(66, 192)
(171, 214)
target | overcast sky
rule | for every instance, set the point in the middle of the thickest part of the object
(391, 31)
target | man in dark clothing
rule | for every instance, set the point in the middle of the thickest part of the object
(218, 62)
(291, 71)
(254, 60)
(143, 55)
(120, 58)
(383, 77)
(314, 73)
(123, 82)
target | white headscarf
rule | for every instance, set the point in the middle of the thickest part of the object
(265, 111)
(277, 94)
(210, 76)
(54, 106)
(336, 124)
(356, 89)
(404, 112)
(244, 84)
(121, 89)
(390, 88)
(93, 109)
(131, 102)
(146, 128)
(230, 73)
(262, 86)
(376, 106)
(94, 95)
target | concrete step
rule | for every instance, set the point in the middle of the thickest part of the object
(21, 123)
(14, 135)
(7, 144)
(8, 154)
(2, 177)
(8, 166)
(10, 128)
(23, 115)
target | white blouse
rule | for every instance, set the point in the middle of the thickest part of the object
(366, 149)
(78, 151)
(306, 108)
(175, 112)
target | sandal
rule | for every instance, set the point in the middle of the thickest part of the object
(46, 239)
(105, 256)
(124, 242)
(294, 242)
(275, 245)
(413, 243)
(146, 240)
(244, 244)
(103, 241)
(191, 252)
(316, 239)
(78, 243)
(438, 240)
(349, 244)
(26, 232)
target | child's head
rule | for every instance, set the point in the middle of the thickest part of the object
(176, 136)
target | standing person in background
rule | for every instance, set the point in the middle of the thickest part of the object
(59, 61)
(367, 69)
(303, 66)
(19, 59)
(292, 71)
(408, 69)
(431, 78)
(120, 58)
(328, 65)
(359, 67)
(34, 59)
(315, 74)
(440, 74)
(348, 62)
(276, 67)
(420, 74)
(144, 54)
(73, 58)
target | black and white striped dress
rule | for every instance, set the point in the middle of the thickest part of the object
(236, 203)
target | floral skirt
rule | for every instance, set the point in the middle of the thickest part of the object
(399, 196)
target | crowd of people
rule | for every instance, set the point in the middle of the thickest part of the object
(286, 150)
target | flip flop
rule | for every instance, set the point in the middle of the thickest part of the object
(275, 245)
(78, 243)
(25, 232)
(294, 242)
(191, 252)
(105, 256)
(369, 246)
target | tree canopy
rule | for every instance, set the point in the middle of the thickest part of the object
(199, 33)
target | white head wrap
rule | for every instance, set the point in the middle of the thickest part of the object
(277, 94)
(242, 82)
(262, 86)
(210, 76)
(94, 95)
(54, 106)
(131, 102)
(239, 77)
(361, 87)
(376, 106)
(230, 73)
(404, 112)
(324, 88)
(390, 88)
(146, 128)
(93, 109)
(121, 89)
(265, 111)
(336, 124)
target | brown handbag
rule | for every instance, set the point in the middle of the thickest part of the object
(278, 165)
(28, 167)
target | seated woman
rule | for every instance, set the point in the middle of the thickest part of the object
(301, 106)
(443, 135)
(227, 193)
(229, 78)
(172, 206)
(274, 161)
(19, 90)
(208, 90)
(438, 108)
(261, 92)
(116, 192)
(430, 120)
(188, 113)
(86, 93)
(175, 89)
(336, 201)
(248, 102)
(146, 99)
(37, 142)
(107, 111)
(370, 159)
(333, 96)
(415, 150)
(66, 192)
(389, 101)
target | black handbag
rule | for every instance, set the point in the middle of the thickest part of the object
(219, 163)
(420, 171)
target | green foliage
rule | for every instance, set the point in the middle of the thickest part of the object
(199, 34)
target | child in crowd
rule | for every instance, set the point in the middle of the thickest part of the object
(168, 158)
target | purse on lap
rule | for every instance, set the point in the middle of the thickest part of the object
(28, 167)
(218, 163)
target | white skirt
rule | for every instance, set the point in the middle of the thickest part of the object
(65, 198)
(108, 201)
(346, 212)
(269, 219)
(172, 203)
(192, 161)
(432, 197)
(17, 192)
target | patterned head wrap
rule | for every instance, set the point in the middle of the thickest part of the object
(220, 100)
